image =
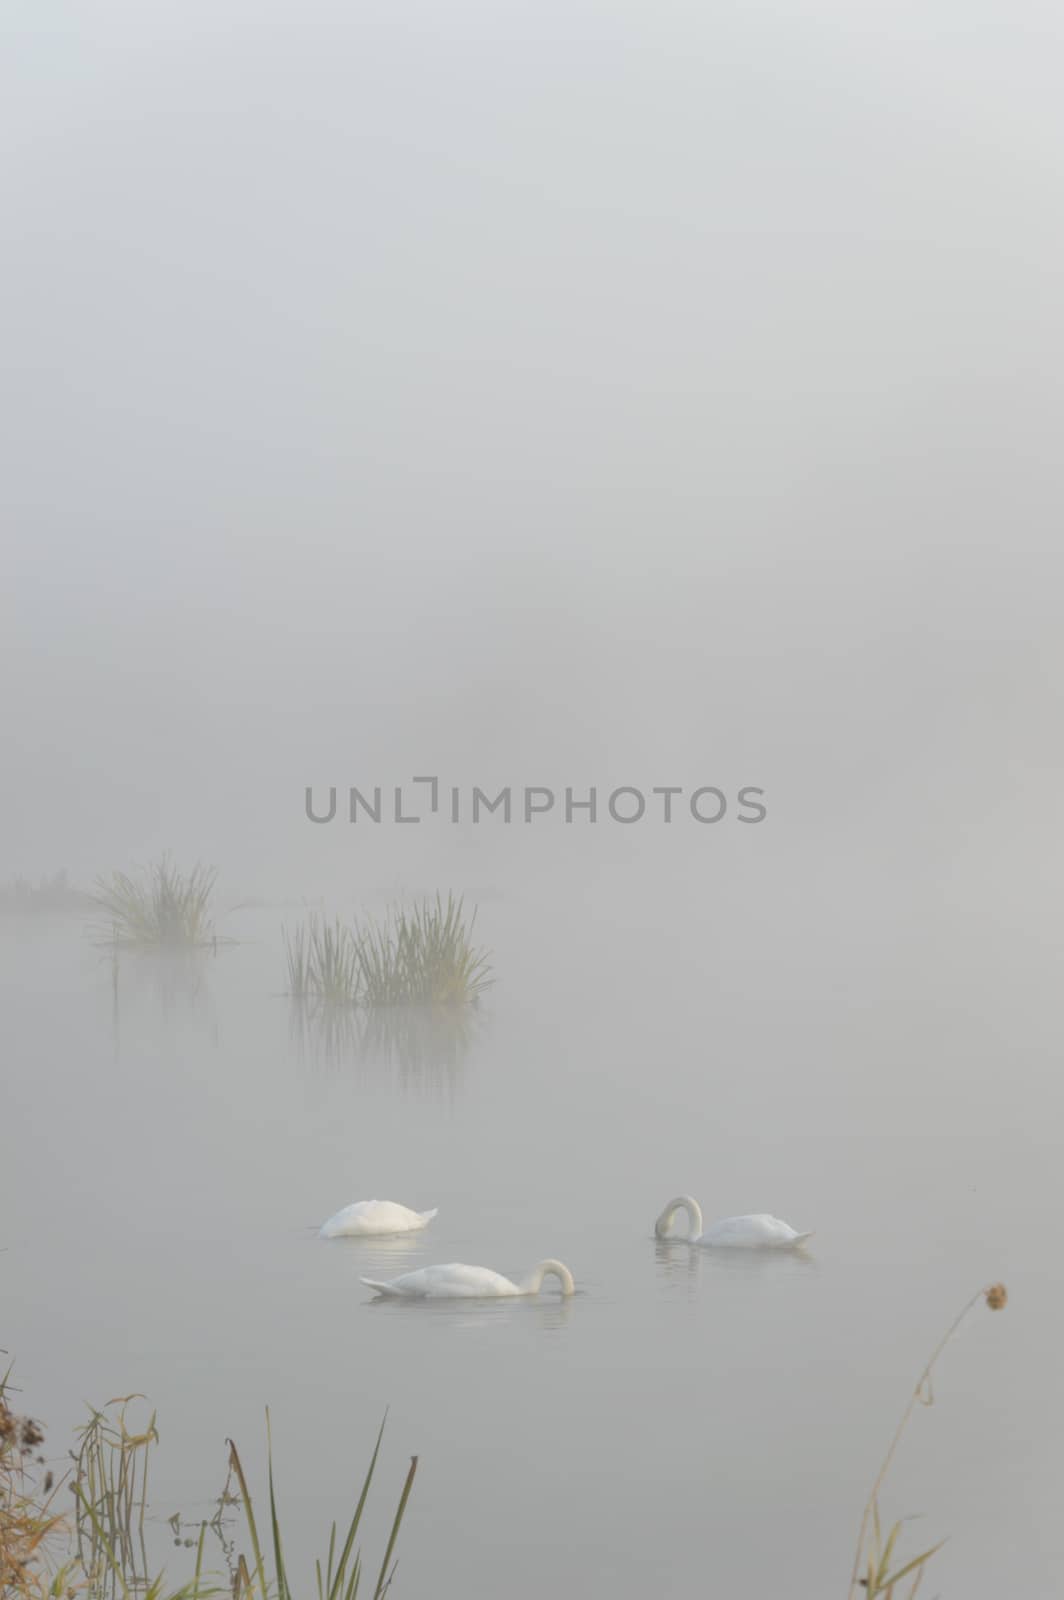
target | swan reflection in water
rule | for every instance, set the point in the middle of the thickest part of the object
(549, 1313)
(678, 1261)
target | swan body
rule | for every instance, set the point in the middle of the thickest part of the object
(456, 1281)
(368, 1217)
(756, 1232)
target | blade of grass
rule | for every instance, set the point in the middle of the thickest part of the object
(404, 1497)
(249, 1517)
(352, 1531)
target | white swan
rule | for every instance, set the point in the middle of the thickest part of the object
(757, 1232)
(458, 1282)
(367, 1217)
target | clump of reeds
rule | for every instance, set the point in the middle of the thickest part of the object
(421, 956)
(161, 907)
(111, 1488)
(323, 962)
(877, 1569)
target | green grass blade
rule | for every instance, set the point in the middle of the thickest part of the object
(404, 1497)
(249, 1517)
(911, 1566)
(352, 1531)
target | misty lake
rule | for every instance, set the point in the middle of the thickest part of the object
(455, 400)
(686, 1423)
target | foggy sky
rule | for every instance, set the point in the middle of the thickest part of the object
(557, 394)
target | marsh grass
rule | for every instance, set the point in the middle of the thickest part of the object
(161, 907)
(110, 1478)
(322, 962)
(418, 956)
(878, 1567)
(108, 1553)
(423, 956)
(340, 1578)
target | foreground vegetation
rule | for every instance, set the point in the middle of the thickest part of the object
(418, 956)
(102, 1551)
(878, 1566)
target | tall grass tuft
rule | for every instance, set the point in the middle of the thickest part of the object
(162, 907)
(297, 957)
(333, 961)
(111, 1492)
(322, 962)
(424, 956)
(341, 1576)
(421, 956)
(877, 1568)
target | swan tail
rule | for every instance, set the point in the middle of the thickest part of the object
(427, 1216)
(800, 1238)
(379, 1288)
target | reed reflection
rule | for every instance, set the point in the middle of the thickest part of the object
(426, 1047)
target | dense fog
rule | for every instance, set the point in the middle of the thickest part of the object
(569, 395)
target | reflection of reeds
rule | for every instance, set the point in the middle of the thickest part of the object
(876, 1568)
(161, 907)
(421, 956)
(325, 1033)
(427, 1045)
(176, 979)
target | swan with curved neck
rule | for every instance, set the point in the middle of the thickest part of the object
(758, 1231)
(456, 1281)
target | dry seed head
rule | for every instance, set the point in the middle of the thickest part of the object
(997, 1297)
(31, 1434)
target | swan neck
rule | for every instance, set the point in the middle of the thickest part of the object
(683, 1202)
(548, 1269)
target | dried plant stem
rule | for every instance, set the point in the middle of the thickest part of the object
(919, 1396)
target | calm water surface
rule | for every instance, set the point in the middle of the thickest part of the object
(686, 1423)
